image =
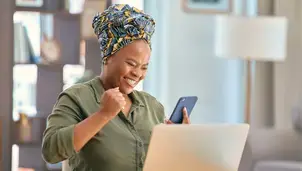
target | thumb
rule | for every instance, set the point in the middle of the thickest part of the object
(168, 122)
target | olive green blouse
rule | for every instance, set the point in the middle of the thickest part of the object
(120, 146)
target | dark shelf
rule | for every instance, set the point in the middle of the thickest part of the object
(49, 79)
(49, 6)
(35, 9)
(19, 63)
(28, 144)
(53, 65)
(43, 11)
(30, 157)
(35, 128)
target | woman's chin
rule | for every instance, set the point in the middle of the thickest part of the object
(126, 90)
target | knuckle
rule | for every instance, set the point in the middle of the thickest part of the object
(107, 93)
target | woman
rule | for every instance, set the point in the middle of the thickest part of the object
(103, 124)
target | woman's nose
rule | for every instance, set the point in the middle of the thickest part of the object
(137, 72)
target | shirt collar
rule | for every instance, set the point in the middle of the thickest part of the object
(136, 99)
(98, 89)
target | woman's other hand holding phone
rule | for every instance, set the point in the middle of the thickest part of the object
(186, 119)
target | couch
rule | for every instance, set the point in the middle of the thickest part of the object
(274, 149)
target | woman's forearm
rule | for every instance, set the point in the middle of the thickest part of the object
(87, 128)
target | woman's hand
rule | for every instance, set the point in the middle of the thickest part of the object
(112, 101)
(186, 119)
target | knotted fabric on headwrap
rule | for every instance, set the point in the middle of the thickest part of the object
(119, 25)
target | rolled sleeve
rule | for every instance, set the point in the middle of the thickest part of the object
(59, 134)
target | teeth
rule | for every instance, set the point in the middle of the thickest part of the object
(132, 82)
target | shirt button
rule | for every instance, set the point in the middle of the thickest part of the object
(141, 165)
(140, 144)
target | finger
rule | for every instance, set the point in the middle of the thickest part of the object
(118, 94)
(186, 119)
(168, 122)
(122, 103)
(113, 91)
(120, 98)
(184, 111)
(116, 89)
(123, 106)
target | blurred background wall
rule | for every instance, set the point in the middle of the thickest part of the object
(182, 64)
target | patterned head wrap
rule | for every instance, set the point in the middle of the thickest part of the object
(120, 25)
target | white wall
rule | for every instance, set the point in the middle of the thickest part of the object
(287, 75)
(277, 86)
(183, 63)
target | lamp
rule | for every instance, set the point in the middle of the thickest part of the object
(251, 38)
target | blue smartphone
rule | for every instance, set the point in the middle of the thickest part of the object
(188, 102)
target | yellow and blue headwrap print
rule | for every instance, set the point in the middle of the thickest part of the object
(119, 25)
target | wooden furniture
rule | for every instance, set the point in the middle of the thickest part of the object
(48, 86)
(1, 142)
(66, 30)
(6, 80)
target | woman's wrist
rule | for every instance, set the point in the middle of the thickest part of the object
(103, 117)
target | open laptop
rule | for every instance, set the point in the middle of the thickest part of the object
(209, 147)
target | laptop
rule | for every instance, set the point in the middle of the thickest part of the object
(208, 147)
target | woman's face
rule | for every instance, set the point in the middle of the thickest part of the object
(127, 67)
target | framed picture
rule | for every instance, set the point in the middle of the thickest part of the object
(90, 9)
(208, 6)
(29, 3)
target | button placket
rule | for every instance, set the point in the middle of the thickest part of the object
(139, 144)
(140, 150)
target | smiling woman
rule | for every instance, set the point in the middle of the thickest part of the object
(105, 124)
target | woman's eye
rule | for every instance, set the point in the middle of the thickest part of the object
(131, 64)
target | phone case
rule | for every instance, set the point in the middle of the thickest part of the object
(188, 102)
